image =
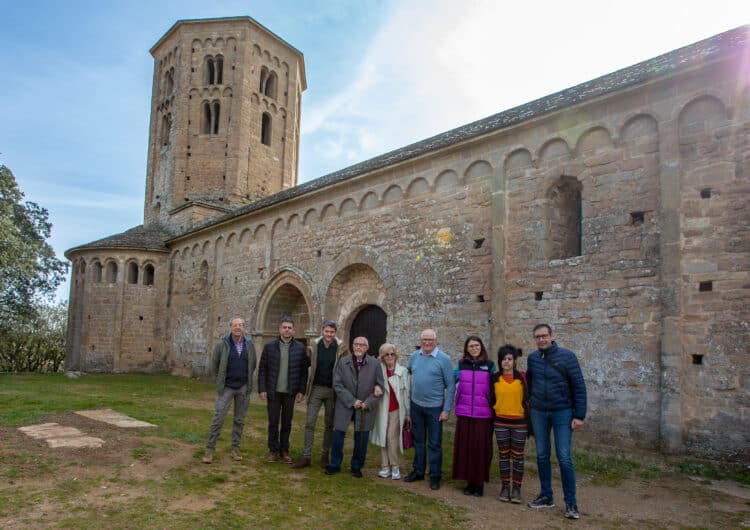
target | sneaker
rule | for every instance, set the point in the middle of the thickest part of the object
(302, 462)
(571, 511)
(384, 472)
(542, 501)
(515, 497)
(413, 476)
(208, 456)
(236, 456)
(273, 457)
(435, 484)
(396, 474)
(505, 493)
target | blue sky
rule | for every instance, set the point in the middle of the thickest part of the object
(76, 80)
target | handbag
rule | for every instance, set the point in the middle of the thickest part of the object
(407, 437)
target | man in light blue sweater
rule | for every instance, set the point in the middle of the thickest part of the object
(432, 389)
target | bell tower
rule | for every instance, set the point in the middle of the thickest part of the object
(225, 119)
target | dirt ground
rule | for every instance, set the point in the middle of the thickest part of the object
(666, 501)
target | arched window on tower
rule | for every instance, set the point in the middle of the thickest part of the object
(263, 79)
(210, 74)
(265, 129)
(219, 69)
(148, 275)
(206, 118)
(166, 125)
(96, 272)
(111, 275)
(271, 85)
(564, 216)
(215, 117)
(132, 272)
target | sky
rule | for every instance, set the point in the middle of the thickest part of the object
(75, 80)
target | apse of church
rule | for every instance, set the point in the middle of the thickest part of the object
(615, 210)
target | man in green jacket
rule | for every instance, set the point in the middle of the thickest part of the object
(233, 362)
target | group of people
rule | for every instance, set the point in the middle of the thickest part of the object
(382, 399)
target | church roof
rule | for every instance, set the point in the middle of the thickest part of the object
(137, 238)
(699, 53)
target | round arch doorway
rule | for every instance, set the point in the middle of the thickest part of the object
(370, 323)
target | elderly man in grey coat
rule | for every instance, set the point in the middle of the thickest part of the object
(354, 381)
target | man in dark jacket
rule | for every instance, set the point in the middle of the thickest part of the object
(282, 378)
(558, 402)
(233, 363)
(354, 380)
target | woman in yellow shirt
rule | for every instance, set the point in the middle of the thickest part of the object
(510, 396)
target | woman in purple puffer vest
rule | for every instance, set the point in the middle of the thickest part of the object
(472, 445)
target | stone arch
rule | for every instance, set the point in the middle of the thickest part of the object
(348, 206)
(554, 148)
(256, 50)
(96, 271)
(131, 272)
(517, 162)
(195, 250)
(309, 217)
(293, 223)
(329, 212)
(393, 194)
(110, 271)
(418, 186)
(246, 236)
(206, 248)
(369, 201)
(260, 232)
(277, 228)
(594, 139)
(288, 292)
(697, 122)
(149, 271)
(231, 239)
(638, 126)
(477, 170)
(351, 289)
(446, 180)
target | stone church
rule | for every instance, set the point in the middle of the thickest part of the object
(616, 210)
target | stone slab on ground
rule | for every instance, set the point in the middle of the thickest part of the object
(114, 418)
(57, 435)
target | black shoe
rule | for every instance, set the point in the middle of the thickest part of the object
(505, 493)
(571, 511)
(434, 483)
(542, 501)
(515, 497)
(330, 470)
(413, 477)
(356, 473)
(469, 490)
(479, 490)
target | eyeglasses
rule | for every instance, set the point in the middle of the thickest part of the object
(360, 344)
(427, 340)
(389, 354)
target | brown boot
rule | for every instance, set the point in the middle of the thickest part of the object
(236, 456)
(273, 457)
(286, 458)
(208, 456)
(302, 462)
(324, 461)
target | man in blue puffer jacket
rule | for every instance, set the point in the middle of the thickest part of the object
(558, 402)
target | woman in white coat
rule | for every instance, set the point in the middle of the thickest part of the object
(393, 411)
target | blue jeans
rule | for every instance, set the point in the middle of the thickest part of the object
(559, 422)
(360, 449)
(425, 424)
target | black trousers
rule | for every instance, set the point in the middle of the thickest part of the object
(280, 406)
